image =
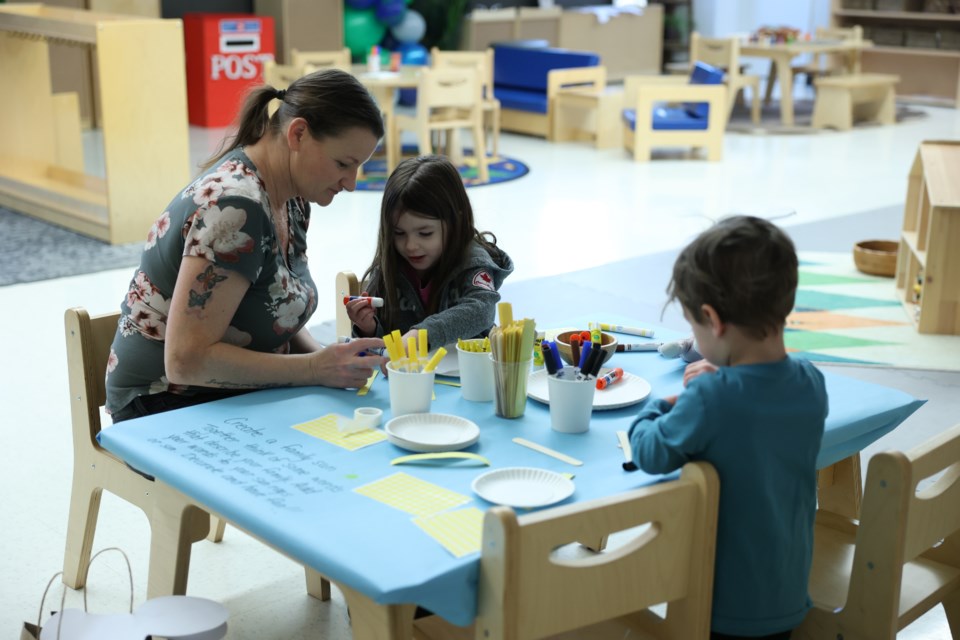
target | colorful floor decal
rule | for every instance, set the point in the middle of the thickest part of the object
(842, 315)
(501, 169)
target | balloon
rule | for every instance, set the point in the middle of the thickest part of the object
(391, 12)
(361, 4)
(411, 28)
(389, 42)
(361, 31)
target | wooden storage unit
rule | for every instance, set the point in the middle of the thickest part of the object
(929, 73)
(627, 44)
(307, 25)
(929, 253)
(143, 103)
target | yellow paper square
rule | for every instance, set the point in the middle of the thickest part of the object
(365, 389)
(460, 532)
(412, 495)
(325, 428)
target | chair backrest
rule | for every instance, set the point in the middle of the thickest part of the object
(722, 53)
(346, 285)
(480, 60)
(526, 591)
(449, 87)
(852, 34)
(336, 59)
(88, 349)
(280, 76)
(901, 525)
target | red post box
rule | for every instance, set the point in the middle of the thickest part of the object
(225, 55)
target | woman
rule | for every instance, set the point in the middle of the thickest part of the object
(220, 301)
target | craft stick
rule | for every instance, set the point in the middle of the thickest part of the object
(547, 451)
(435, 360)
(505, 310)
(392, 348)
(412, 352)
(422, 343)
(398, 340)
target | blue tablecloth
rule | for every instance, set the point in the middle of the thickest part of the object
(240, 458)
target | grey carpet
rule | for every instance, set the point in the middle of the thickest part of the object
(802, 114)
(32, 250)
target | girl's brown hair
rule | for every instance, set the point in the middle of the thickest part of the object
(431, 187)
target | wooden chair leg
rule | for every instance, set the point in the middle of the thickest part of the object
(175, 526)
(81, 527)
(768, 96)
(317, 585)
(217, 528)
(480, 153)
(495, 130)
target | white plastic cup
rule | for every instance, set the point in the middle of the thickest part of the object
(571, 401)
(409, 392)
(476, 375)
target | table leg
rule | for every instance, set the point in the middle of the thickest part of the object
(372, 621)
(840, 487)
(785, 78)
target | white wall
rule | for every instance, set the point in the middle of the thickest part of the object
(717, 18)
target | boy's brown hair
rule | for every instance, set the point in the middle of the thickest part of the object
(745, 268)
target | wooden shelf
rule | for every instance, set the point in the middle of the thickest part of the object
(898, 15)
(142, 94)
(930, 241)
(929, 76)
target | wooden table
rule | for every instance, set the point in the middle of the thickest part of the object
(240, 459)
(782, 54)
(383, 86)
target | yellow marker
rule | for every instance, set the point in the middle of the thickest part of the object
(505, 309)
(435, 360)
(391, 347)
(412, 351)
(422, 343)
(398, 340)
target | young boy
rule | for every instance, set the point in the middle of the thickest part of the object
(756, 415)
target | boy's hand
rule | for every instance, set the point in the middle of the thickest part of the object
(697, 368)
(362, 314)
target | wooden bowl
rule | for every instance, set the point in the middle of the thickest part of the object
(876, 257)
(608, 342)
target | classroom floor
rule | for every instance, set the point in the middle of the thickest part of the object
(576, 209)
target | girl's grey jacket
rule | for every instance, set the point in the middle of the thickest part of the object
(468, 304)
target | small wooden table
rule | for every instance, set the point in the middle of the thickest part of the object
(589, 114)
(383, 86)
(782, 54)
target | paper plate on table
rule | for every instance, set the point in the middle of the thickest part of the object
(522, 487)
(431, 432)
(631, 390)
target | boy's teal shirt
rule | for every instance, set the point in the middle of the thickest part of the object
(760, 426)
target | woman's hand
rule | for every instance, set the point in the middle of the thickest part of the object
(362, 315)
(697, 368)
(343, 366)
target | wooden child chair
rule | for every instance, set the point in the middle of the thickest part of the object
(483, 62)
(724, 53)
(873, 578)
(175, 522)
(527, 592)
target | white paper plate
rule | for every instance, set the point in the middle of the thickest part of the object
(522, 487)
(430, 432)
(631, 390)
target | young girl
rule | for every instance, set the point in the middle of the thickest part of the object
(433, 269)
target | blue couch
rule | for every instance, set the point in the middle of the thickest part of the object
(521, 82)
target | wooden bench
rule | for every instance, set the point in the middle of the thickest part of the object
(843, 100)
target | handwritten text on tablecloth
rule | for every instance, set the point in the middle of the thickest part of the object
(265, 467)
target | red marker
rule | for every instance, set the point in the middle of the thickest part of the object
(610, 378)
(376, 302)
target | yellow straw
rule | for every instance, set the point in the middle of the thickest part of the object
(422, 342)
(435, 360)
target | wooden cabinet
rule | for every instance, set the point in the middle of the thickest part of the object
(928, 262)
(627, 43)
(921, 47)
(307, 25)
(141, 87)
